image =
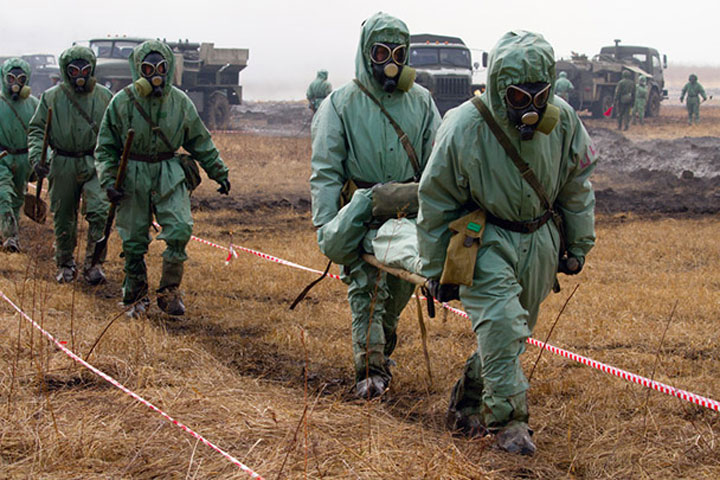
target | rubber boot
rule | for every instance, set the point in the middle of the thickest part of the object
(515, 438)
(371, 387)
(459, 422)
(66, 272)
(93, 274)
(12, 245)
(138, 309)
(169, 298)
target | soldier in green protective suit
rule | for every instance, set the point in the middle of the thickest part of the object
(519, 249)
(318, 90)
(16, 108)
(354, 145)
(78, 105)
(563, 87)
(693, 90)
(641, 98)
(155, 184)
(624, 99)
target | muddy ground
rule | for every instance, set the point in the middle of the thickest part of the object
(673, 176)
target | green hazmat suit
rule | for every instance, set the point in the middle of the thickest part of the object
(72, 174)
(353, 140)
(15, 168)
(641, 98)
(318, 90)
(624, 99)
(153, 186)
(514, 272)
(563, 87)
(693, 90)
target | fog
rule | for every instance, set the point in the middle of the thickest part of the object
(289, 41)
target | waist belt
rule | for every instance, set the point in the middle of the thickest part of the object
(65, 153)
(528, 226)
(158, 157)
(13, 151)
(361, 184)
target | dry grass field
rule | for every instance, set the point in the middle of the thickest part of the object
(233, 368)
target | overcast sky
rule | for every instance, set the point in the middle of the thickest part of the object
(290, 40)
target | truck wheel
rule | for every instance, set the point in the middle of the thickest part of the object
(218, 112)
(653, 105)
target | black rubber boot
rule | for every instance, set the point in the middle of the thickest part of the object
(12, 245)
(169, 298)
(66, 272)
(515, 438)
(371, 387)
(94, 275)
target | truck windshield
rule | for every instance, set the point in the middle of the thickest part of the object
(112, 48)
(429, 56)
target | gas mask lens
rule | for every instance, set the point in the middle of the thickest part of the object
(74, 71)
(380, 53)
(150, 69)
(519, 98)
(13, 79)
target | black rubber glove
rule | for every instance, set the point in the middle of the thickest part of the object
(443, 293)
(41, 170)
(224, 187)
(570, 265)
(114, 194)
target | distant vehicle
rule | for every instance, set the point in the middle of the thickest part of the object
(210, 76)
(444, 66)
(44, 71)
(595, 80)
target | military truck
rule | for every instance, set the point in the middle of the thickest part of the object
(209, 75)
(595, 79)
(444, 67)
(44, 71)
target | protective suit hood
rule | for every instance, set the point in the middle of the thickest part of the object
(518, 57)
(562, 75)
(322, 74)
(380, 27)
(8, 65)
(139, 53)
(75, 52)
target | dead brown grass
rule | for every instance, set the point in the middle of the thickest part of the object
(233, 368)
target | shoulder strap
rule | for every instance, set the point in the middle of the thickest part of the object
(156, 130)
(17, 115)
(79, 109)
(399, 131)
(525, 170)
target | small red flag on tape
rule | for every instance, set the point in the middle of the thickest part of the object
(608, 112)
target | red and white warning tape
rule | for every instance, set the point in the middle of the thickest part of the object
(631, 377)
(134, 395)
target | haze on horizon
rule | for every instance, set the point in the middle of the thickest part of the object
(290, 41)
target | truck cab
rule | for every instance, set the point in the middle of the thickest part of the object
(444, 67)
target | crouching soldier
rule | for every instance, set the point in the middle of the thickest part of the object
(164, 119)
(16, 109)
(515, 230)
(78, 105)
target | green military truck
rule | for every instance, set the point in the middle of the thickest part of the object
(210, 76)
(444, 67)
(595, 79)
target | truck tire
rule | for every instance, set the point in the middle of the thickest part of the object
(602, 106)
(217, 113)
(653, 105)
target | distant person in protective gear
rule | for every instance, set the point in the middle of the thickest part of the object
(16, 109)
(354, 148)
(641, 98)
(318, 90)
(693, 90)
(518, 244)
(624, 99)
(164, 120)
(78, 105)
(563, 87)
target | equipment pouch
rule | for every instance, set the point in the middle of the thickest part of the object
(191, 170)
(626, 98)
(462, 250)
(395, 200)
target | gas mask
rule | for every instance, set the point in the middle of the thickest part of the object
(528, 108)
(153, 75)
(16, 80)
(388, 67)
(79, 72)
